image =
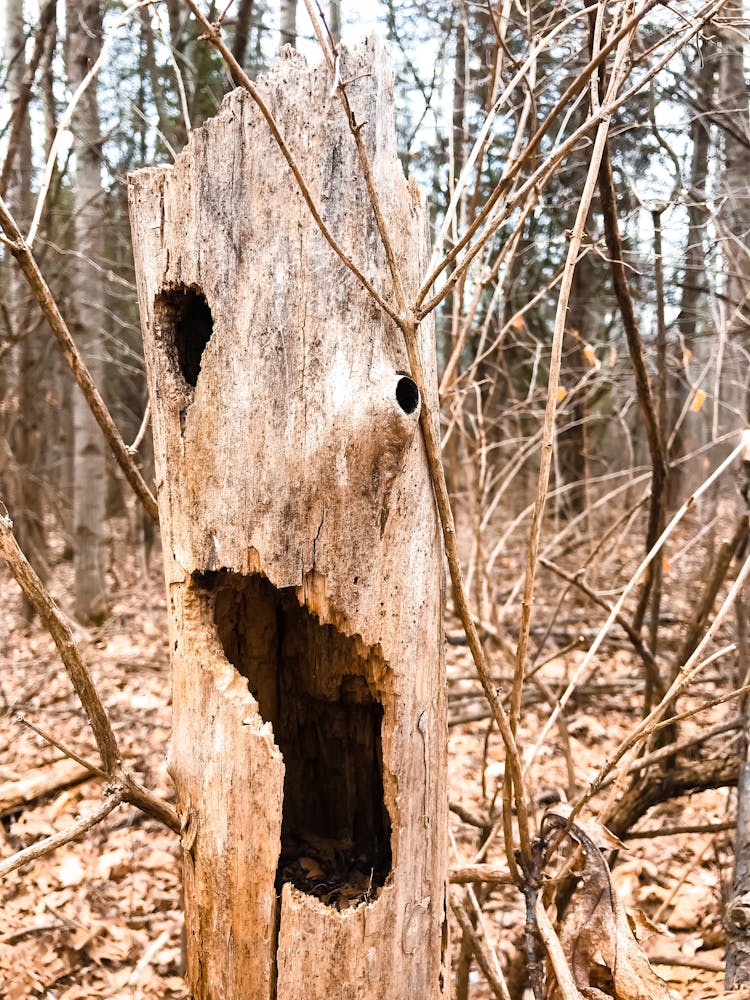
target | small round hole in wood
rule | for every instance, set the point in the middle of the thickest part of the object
(407, 394)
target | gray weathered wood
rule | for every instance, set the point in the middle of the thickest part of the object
(302, 550)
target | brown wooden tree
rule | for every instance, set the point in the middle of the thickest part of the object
(302, 548)
(84, 25)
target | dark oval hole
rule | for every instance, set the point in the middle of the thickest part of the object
(407, 394)
(186, 325)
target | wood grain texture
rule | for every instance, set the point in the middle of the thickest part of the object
(302, 549)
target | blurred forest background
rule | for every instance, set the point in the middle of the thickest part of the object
(651, 396)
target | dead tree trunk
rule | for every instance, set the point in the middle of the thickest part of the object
(303, 552)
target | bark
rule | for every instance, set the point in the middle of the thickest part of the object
(84, 25)
(572, 440)
(242, 31)
(694, 285)
(287, 22)
(24, 452)
(733, 98)
(334, 20)
(459, 92)
(302, 551)
(733, 94)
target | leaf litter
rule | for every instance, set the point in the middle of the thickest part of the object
(102, 917)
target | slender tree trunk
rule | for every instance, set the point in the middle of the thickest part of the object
(287, 22)
(733, 94)
(460, 73)
(242, 31)
(572, 444)
(23, 380)
(334, 20)
(177, 14)
(47, 83)
(84, 25)
(694, 281)
(735, 185)
(451, 454)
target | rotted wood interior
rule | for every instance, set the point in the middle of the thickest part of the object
(316, 687)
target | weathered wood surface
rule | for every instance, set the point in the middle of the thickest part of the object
(302, 550)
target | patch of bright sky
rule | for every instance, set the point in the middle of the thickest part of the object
(424, 38)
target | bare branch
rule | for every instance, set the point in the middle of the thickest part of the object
(113, 799)
(62, 635)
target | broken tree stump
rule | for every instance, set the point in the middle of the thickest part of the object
(302, 550)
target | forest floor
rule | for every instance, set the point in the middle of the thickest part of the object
(101, 917)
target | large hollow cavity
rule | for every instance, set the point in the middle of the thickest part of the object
(185, 325)
(311, 684)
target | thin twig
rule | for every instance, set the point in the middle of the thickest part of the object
(577, 85)
(113, 799)
(498, 986)
(617, 607)
(676, 831)
(480, 873)
(62, 635)
(638, 645)
(642, 383)
(630, 747)
(133, 448)
(555, 953)
(535, 531)
(62, 747)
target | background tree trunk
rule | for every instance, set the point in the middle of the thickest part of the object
(302, 550)
(695, 281)
(334, 20)
(242, 30)
(733, 94)
(735, 187)
(84, 26)
(287, 22)
(22, 464)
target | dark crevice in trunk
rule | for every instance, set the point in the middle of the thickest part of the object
(315, 686)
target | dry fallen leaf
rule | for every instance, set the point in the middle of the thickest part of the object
(604, 956)
(311, 867)
(590, 356)
(698, 400)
